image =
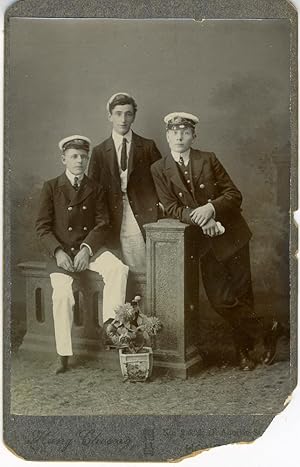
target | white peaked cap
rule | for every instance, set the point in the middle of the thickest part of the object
(184, 115)
(68, 139)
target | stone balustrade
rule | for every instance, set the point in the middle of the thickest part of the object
(169, 290)
(88, 318)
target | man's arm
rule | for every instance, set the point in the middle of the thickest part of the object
(44, 222)
(230, 198)
(94, 169)
(97, 236)
(171, 204)
(44, 230)
(155, 154)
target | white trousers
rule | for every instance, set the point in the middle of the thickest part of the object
(132, 241)
(114, 274)
(134, 252)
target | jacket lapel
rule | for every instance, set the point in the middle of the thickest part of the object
(84, 191)
(135, 159)
(73, 197)
(196, 161)
(65, 186)
(111, 159)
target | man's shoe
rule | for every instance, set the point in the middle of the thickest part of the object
(270, 342)
(108, 343)
(245, 362)
(63, 366)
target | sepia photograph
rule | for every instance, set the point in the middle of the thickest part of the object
(149, 165)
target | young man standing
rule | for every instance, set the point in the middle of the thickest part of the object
(194, 187)
(72, 225)
(121, 164)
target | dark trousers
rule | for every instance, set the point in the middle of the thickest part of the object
(228, 287)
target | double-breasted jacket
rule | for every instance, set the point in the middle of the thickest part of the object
(209, 183)
(68, 218)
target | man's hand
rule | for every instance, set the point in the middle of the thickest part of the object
(63, 260)
(202, 214)
(81, 260)
(211, 228)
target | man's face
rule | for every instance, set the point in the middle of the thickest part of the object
(180, 140)
(75, 160)
(122, 117)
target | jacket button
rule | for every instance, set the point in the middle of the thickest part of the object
(180, 194)
(70, 208)
(84, 208)
(209, 200)
(84, 228)
(72, 249)
(188, 181)
(70, 229)
(202, 186)
(187, 207)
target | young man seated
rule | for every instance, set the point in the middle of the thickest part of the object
(72, 225)
(194, 187)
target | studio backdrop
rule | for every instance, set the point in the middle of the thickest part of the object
(232, 74)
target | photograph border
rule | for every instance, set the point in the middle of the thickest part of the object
(31, 437)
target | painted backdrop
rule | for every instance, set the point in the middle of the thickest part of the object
(234, 75)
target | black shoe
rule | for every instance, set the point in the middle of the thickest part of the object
(63, 366)
(244, 360)
(106, 339)
(270, 342)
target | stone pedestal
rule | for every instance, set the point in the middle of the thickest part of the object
(172, 293)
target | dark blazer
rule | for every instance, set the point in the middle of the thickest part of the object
(210, 183)
(103, 169)
(67, 218)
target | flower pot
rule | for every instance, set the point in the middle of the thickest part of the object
(136, 366)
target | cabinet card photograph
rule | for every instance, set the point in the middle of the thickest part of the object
(150, 179)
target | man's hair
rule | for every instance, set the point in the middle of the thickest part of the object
(122, 99)
(193, 130)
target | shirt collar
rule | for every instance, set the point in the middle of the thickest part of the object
(185, 155)
(71, 177)
(118, 139)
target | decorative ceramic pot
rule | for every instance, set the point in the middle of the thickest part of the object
(136, 366)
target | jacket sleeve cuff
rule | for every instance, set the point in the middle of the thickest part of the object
(186, 216)
(214, 214)
(88, 247)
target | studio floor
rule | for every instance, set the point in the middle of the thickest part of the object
(88, 389)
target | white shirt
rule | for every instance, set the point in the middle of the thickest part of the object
(71, 177)
(185, 156)
(118, 142)
(129, 225)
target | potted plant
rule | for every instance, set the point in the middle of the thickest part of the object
(131, 332)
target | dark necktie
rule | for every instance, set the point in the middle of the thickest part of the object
(76, 185)
(181, 161)
(124, 155)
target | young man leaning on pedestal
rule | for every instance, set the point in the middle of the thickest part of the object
(194, 187)
(72, 226)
